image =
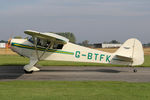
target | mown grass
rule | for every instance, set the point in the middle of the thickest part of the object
(73, 90)
(146, 61)
(14, 60)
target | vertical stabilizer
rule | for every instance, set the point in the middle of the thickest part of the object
(131, 51)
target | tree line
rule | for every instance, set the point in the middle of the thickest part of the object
(72, 39)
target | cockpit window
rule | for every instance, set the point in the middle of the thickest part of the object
(30, 40)
(46, 43)
(58, 46)
(43, 43)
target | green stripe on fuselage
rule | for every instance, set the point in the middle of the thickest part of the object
(41, 49)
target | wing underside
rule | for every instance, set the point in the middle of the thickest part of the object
(50, 36)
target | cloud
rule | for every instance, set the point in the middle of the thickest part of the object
(95, 18)
(80, 8)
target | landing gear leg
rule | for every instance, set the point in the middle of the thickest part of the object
(30, 68)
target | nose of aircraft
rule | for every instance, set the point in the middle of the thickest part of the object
(9, 42)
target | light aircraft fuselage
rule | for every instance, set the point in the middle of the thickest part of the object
(49, 46)
(70, 52)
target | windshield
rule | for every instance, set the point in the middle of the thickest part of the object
(30, 40)
(46, 43)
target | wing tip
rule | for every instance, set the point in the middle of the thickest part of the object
(32, 31)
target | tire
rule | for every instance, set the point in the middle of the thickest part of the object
(28, 72)
(135, 70)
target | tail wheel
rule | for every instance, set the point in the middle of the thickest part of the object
(135, 70)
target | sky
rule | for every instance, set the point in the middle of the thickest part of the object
(93, 20)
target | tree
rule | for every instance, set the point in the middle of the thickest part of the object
(114, 42)
(18, 37)
(3, 41)
(85, 43)
(105, 42)
(68, 35)
(148, 44)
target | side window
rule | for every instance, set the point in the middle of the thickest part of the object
(30, 40)
(38, 42)
(47, 43)
(43, 43)
(58, 46)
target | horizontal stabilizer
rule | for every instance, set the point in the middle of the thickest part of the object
(124, 58)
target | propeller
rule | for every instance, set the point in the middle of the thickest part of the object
(9, 41)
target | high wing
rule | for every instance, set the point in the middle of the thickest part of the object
(51, 36)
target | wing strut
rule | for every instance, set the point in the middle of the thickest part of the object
(35, 45)
(50, 44)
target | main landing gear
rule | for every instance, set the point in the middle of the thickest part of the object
(30, 68)
(134, 70)
(28, 72)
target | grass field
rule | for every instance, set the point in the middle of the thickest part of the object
(69, 90)
(8, 57)
(74, 90)
(146, 50)
(6, 52)
(14, 60)
(9, 52)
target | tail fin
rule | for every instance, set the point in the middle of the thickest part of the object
(130, 53)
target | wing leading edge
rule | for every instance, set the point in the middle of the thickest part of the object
(52, 36)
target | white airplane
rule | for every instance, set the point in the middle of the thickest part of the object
(50, 46)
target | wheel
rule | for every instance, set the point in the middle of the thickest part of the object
(28, 72)
(134, 70)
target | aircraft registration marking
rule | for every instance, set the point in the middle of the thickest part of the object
(95, 56)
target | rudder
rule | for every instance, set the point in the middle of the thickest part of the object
(131, 52)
